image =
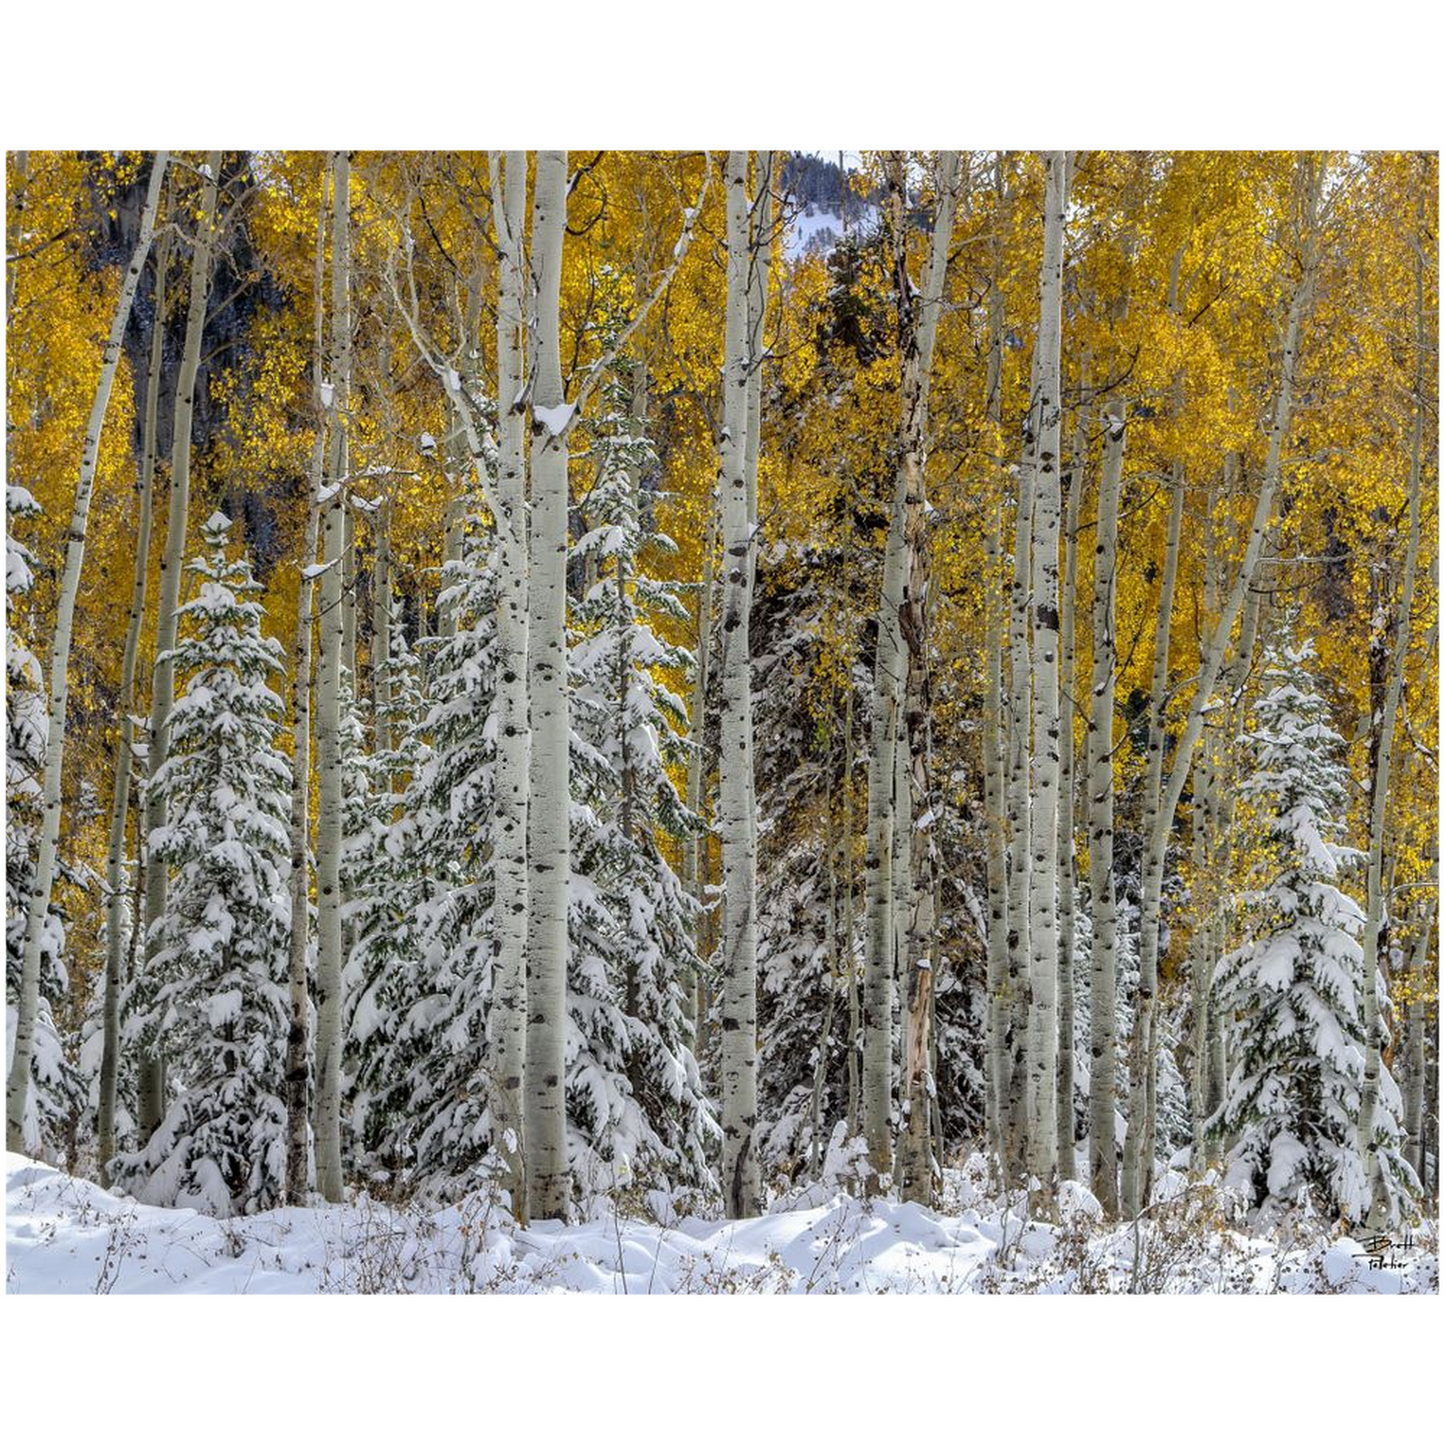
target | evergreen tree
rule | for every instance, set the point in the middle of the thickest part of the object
(215, 999)
(1292, 992)
(55, 1093)
(418, 1023)
(633, 1085)
(383, 870)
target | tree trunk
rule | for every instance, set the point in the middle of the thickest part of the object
(919, 326)
(329, 841)
(507, 1020)
(1046, 414)
(996, 1047)
(549, 851)
(736, 802)
(1064, 1100)
(298, 1040)
(125, 747)
(1099, 755)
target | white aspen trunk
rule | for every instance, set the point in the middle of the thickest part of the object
(298, 1029)
(760, 212)
(163, 681)
(507, 1020)
(1044, 842)
(125, 747)
(1376, 918)
(332, 661)
(879, 862)
(1138, 1157)
(920, 323)
(549, 851)
(1099, 754)
(1064, 1100)
(17, 1085)
(1020, 806)
(736, 804)
(995, 739)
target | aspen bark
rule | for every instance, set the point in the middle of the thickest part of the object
(1099, 755)
(760, 220)
(549, 851)
(125, 747)
(1044, 841)
(736, 800)
(330, 784)
(1138, 1157)
(919, 322)
(163, 682)
(1020, 807)
(1064, 1100)
(507, 1020)
(1376, 918)
(995, 739)
(298, 1030)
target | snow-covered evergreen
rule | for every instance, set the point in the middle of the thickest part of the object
(382, 869)
(633, 1086)
(55, 1095)
(418, 1022)
(1291, 993)
(215, 997)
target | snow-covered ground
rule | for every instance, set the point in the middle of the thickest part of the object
(820, 228)
(66, 1235)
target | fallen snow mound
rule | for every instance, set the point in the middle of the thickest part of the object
(68, 1236)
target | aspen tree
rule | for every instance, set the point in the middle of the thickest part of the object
(163, 684)
(548, 846)
(1099, 775)
(1376, 918)
(298, 1050)
(1046, 412)
(38, 904)
(995, 733)
(125, 746)
(1138, 1155)
(736, 796)
(330, 667)
(1064, 1100)
(1020, 803)
(507, 1019)
(879, 922)
(919, 321)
